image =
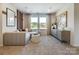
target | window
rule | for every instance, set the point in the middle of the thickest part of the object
(42, 21)
(38, 22)
(34, 23)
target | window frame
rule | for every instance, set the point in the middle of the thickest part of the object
(37, 22)
(38, 19)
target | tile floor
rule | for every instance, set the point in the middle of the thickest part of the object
(48, 45)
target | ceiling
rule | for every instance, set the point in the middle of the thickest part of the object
(39, 7)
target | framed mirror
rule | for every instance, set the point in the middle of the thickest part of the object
(10, 18)
(62, 20)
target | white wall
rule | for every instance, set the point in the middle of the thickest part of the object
(1, 36)
(70, 19)
(5, 28)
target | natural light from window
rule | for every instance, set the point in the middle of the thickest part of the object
(43, 23)
(34, 23)
(38, 23)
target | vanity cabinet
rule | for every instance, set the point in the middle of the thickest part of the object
(54, 32)
(59, 35)
(63, 36)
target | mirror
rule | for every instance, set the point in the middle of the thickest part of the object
(10, 18)
(62, 20)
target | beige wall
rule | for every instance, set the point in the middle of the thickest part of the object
(70, 18)
(3, 27)
(50, 20)
(76, 24)
(7, 29)
(26, 21)
(53, 18)
(1, 36)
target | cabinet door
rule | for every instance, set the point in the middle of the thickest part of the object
(66, 36)
(59, 35)
(52, 31)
